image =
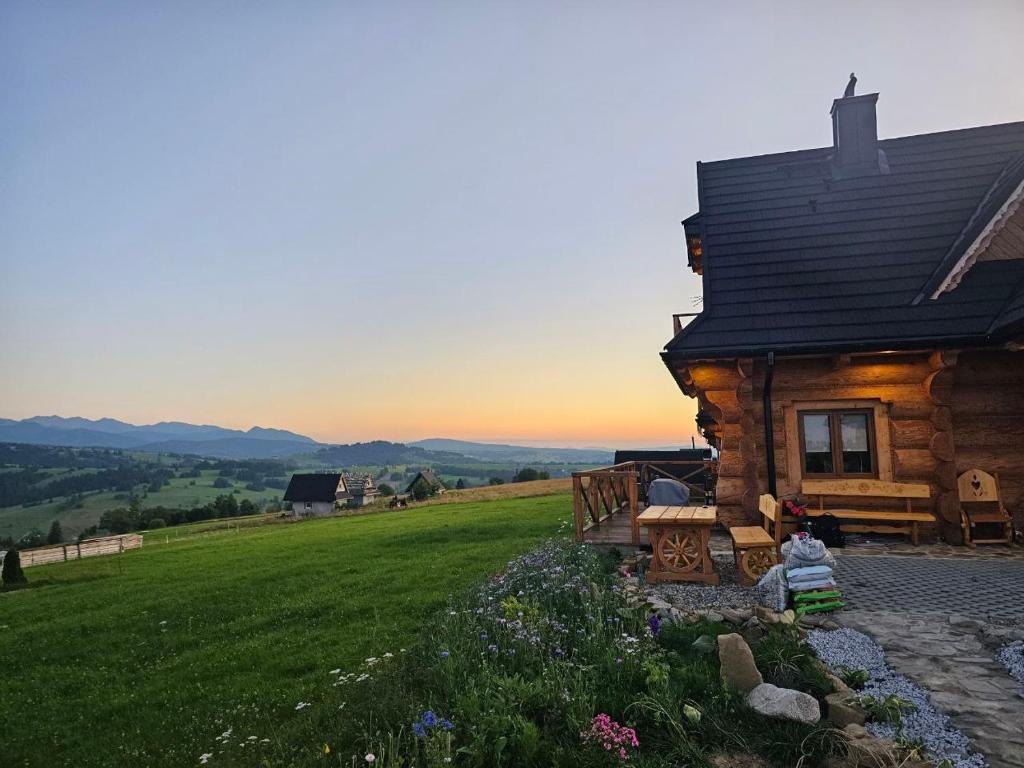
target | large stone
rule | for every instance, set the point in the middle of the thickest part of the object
(735, 615)
(767, 615)
(843, 710)
(738, 669)
(785, 703)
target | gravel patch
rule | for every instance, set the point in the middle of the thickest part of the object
(854, 650)
(694, 595)
(1011, 656)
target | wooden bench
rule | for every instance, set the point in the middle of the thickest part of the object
(756, 548)
(904, 520)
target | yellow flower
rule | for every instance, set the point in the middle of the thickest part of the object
(327, 750)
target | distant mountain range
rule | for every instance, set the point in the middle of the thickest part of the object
(264, 443)
(164, 437)
(517, 454)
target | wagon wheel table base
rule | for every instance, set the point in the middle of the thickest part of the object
(679, 540)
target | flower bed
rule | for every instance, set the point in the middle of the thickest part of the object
(548, 664)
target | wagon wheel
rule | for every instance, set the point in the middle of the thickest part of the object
(756, 562)
(679, 551)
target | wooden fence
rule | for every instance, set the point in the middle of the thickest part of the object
(599, 493)
(107, 545)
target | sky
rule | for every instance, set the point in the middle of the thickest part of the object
(363, 220)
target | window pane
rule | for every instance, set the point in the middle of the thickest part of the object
(855, 443)
(817, 444)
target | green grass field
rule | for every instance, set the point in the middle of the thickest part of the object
(179, 493)
(143, 659)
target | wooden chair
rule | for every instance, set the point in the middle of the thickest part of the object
(756, 548)
(980, 502)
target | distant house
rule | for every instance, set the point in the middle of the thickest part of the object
(320, 494)
(428, 476)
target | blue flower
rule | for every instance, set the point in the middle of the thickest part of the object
(419, 730)
(429, 718)
(447, 725)
(559, 653)
(445, 654)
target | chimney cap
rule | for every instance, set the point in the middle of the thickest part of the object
(843, 101)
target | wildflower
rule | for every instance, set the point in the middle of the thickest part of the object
(654, 623)
(429, 718)
(492, 648)
(559, 653)
(302, 705)
(370, 758)
(445, 654)
(419, 730)
(335, 671)
(327, 750)
(692, 713)
(205, 758)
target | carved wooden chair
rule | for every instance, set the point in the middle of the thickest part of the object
(981, 503)
(756, 548)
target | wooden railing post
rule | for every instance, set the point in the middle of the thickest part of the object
(634, 507)
(577, 506)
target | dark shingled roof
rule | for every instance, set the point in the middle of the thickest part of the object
(429, 476)
(796, 259)
(318, 487)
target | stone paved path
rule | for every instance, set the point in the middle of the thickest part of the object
(943, 653)
(987, 589)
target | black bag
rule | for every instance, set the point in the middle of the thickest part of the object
(826, 529)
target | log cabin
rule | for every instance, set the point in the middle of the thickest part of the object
(862, 317)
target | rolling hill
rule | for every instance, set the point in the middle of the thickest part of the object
(163, 437)
(517, 454)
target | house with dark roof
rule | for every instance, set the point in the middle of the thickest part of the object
(318, 494)
(863, 314)
(427, 476)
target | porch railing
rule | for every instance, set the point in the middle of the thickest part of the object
(622, 488)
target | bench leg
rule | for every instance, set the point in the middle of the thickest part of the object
(913, 532)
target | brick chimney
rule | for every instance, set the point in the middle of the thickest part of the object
(855, 137)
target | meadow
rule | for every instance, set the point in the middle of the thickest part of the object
(180, 492)
(146, 658)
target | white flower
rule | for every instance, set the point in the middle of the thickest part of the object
(336, 671)
(205, 757)
(370, 757)
(302, 705)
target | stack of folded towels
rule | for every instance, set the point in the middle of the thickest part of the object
(809, 577)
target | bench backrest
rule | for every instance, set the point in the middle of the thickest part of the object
(771, 519)
(867, 488)
(974, 485)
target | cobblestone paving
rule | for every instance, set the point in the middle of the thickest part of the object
(945, 654)
(987, 589)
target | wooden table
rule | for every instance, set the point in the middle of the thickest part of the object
(679, 537)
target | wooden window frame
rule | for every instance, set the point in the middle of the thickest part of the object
(836, 442)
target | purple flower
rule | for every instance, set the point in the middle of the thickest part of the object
(419, 730)
(654, 623)
(429, 718)
(447, 725)
(559, 653)
(445, 654)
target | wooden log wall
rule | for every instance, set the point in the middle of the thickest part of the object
(937, 414)
(987, 413)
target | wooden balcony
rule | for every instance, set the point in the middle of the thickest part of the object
(607, 501)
